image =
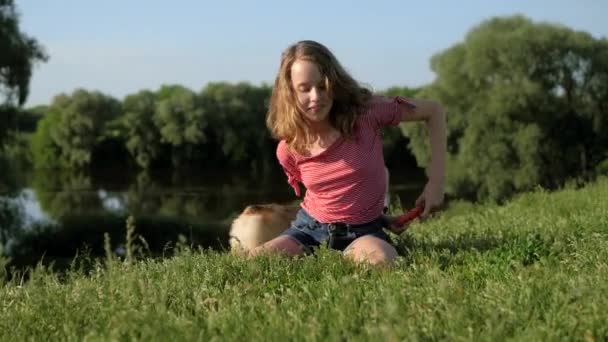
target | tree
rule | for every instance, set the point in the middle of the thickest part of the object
(143, 137)
(239, 130)
(83, 117)
(19, 54)
(181, 121)
(45, 152)
(527, 105)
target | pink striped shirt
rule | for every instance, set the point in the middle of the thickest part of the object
(346, 182)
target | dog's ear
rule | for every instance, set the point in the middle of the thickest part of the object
(251, 209)
(254, 209)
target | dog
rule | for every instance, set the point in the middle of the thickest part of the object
(260, 223)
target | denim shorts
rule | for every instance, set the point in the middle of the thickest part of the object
(311, 233)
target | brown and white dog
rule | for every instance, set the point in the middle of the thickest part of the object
(262, 222)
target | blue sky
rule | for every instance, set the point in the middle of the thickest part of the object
(122, 47)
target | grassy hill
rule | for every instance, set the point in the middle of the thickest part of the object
(533, 269)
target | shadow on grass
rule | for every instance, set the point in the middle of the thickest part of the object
(524, 248)
(406, 244)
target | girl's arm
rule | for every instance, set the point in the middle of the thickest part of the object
(432, 113)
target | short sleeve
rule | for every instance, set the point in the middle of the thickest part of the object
(287, 161)
(386, 110)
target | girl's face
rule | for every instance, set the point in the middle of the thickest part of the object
(313, 97)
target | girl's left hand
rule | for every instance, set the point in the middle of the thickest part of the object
(391, 225)
(431, 198)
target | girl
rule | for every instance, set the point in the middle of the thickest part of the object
(328, 128)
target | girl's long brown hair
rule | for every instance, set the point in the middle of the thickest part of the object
(286, 122)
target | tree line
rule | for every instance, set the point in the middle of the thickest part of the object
(526, 103)
(223, 124)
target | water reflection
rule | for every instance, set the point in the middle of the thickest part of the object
(55, 214)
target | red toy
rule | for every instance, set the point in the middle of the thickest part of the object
(408, 216)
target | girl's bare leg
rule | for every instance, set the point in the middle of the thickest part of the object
(282, 244)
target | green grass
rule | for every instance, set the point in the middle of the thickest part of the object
(535, 269)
